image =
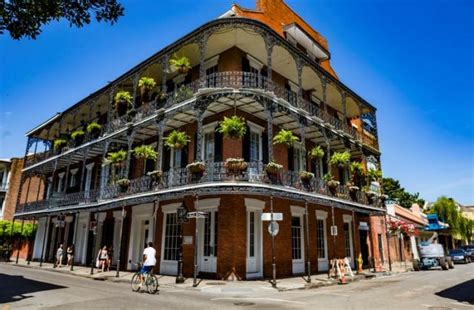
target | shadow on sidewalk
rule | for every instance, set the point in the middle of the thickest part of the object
(14, 288)
(463, 292)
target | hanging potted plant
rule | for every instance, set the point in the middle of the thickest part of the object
(94, 129)
(146, 84)
(59, 144)
(316, 152)
(340, 159)
(235, 166)
(176, 140)
(285, 137)
(78, 137)
(357, 170)
(123, 184)
(145, 152)
(123, 101)
(196, 170)
(331, 183)
(116, 158)
(180, 63)
(232, 127)
(272, 170)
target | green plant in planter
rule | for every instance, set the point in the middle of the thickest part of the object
(123, 100)
(235, 165)
(155, 174)
(77, 134)
(285, 137)
(340, 159)
(316, 152)
(329, 179)
(59, 143)
(115, 158)
(232, 127)
(373, 175)
(93, 127)
(123, 184)
(306, 176)
(273, 167)
(176, 139)
(196, 167)
(356, 168)
(181, 63)
(145, 152)
(146, 84)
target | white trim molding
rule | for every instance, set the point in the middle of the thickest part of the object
(208, 204)
(171, 207)
(253, 204)
(297, 211)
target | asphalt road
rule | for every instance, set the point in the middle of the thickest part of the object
(23, 288)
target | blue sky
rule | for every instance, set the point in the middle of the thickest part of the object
(413, 60)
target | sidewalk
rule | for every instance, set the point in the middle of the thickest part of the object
(210, 286)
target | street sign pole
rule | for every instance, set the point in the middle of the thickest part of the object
(308, 263)
(195, 245)
(274, 284)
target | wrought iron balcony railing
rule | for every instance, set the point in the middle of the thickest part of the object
(3, 187)
(220, 80)
(179, 177)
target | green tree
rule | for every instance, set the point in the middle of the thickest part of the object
(6, 229)
(447, 212)
(25, 18)
(394, 191)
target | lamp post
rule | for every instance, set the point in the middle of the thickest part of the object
(308, 263)
(274, 283)
(182, 213)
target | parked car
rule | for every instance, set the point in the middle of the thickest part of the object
(459, 256)
(469, 250)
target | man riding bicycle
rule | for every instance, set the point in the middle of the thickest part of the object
(149, 261)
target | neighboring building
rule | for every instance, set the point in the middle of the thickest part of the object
(267, 66)
(4, 180)
(468, 212)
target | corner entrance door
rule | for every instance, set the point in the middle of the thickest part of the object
(254, 244)
(208, 243)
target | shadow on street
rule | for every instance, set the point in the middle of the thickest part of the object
(463, 292)
(14, 288)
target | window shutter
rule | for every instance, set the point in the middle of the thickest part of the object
(265, 148)
(218, 139)
(245, 64)
(246, 145)
(291, 163)
(184, 156)
(166, 158)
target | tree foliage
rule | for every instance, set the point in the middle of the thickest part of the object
(25, 18)
(394, 191)
(6, 228)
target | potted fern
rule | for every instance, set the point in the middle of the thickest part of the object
(285, 137)
(340, 159)
(78, 136)
(235, 166)
(176, 139)
(123, 101)
(59, 144)
(116, 158)
(316, 152)
(357, 170)
(181, 63)
(123, 184)
(196, 170)
(232, 127)
(145, 152)
(331, 183)
(94, 129)
(146, 84)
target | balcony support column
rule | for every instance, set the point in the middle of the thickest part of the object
(270, 108)
(161, 129)
(299, 69)
(269, 44)
(164, 62)
(103, 170)
(85, 152)
(111, 107)
(200, 107)
(130, 137)
(302, 122)
(66, 178)
(344, 105)
(202, 43)
(324, 87)
(135, 79)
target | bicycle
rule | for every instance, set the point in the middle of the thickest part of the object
(151, 281)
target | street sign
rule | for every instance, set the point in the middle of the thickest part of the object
(273, 228)
(333, 230)
(276, 216)
(196, 215)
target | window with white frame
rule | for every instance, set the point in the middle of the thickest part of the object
(60, 182)
(255, 142)
(210, 66)
(321, 235)
(347, 239)
(208, 143)
(296, 233)
(255, 67)
(172, 232)
(297, 157)
(176, 158)
(73, 179)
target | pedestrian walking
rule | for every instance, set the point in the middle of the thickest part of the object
(70, 254)
(59, 256)
(102, 258)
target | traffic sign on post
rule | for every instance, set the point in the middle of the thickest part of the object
(273, 228)
(268, 216)
(197, 214)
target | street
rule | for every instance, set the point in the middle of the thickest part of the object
(25, 288)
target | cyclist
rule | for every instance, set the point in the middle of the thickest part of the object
(149, 261)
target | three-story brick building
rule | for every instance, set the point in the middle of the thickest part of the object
(269, 68)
